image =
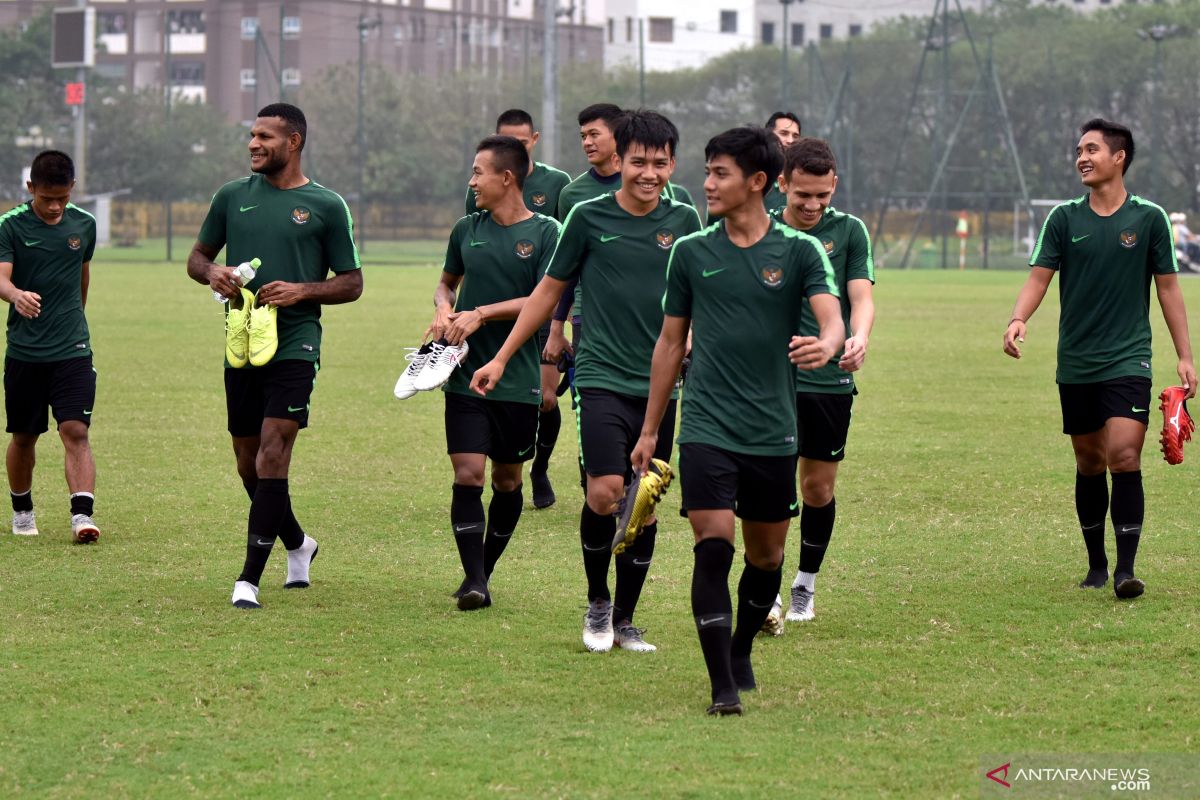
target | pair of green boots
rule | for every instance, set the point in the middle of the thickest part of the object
(251, 336)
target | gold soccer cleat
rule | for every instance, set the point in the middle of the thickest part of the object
(638, 505)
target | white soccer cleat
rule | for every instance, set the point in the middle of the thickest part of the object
(773, 624)
(630, 638)
(802, 605)
(83, 529)
(440, 365)
(245, 595)
(598, 627)
(24, 524)
(298, 563)
(416, 357)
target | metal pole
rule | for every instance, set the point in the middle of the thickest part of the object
(641, 62)
(362, 133)
(550, 83)
(256, 68)
(945, 108)
(281, 13)
(167, 54)
(1154, 117)
(80, 149)
(525, 71)
(783, 69)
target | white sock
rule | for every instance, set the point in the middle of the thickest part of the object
(806, 579)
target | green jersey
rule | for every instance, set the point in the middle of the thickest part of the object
(745, 305)
(499, 263)
(848, 246)
(299, 235)
(1105, 265)
(48, 259)
(673, 191)
(774, 201)
(541, 190)
(588, 185)
(621, 261)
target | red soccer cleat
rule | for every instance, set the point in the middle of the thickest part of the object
(1177, 423)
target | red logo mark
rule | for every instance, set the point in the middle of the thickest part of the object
(1001, 780)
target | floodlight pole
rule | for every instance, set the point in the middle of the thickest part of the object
(364, 25)
(549, 140)
(80, 149)
(783, 69)
(167, 84)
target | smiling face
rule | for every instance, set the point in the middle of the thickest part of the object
(644, 172)
(1096, 162)
(489, 183)
(808, 196)
(271, 146)
(786, 131)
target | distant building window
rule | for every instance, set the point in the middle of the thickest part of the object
(826, 31)
(187, 73)
(611, 22)
(768, 33)
(291, 76)
(291, 27)
(249, 27)
(186, 21)
(728, 22)
(398, 33)
(629, 29)
(248, 80)
(662, 29)
(855, 30)
(108, 23)
(797, 34)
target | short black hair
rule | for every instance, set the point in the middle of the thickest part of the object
(607, 112)
(1116, 136)
(809, 155)
(778, 115)
(752, 149)
(52, 168)
(507, 154)
(513, 117)
(293, 116)
(647, 128)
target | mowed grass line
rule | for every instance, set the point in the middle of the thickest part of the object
(948, 623)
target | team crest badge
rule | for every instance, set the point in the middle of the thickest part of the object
(1128, 239)
(665, 239)
(538, 199)
(301, 215)
(74, 242)
(828, 246)
(524, 248)
(772, 277)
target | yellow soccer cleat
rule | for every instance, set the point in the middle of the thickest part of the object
(237, 329)
(640, 500)
(264, 335)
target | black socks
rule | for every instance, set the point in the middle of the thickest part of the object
(816, 528)
(503, 514)
(713, 611)
(756, 594)
(1091, 504)
(271, 505)
(632, 567)
(1128, 512)
(596, 534)
(467, 520)
(23, 501)
(549, 424)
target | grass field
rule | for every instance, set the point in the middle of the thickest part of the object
(948, 626)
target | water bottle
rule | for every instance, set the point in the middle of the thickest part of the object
(245, 272)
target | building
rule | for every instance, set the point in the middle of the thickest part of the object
(239, 55)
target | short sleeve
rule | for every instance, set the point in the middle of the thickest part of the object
(815, 267)
(1049, 248)
(692, 221)
(571, 248)
(550, 231)
(860, 261)
(7, 242)
(1163, 260)
(212, 230)
(90, 250)
(677, 300)
(340, 249)
(454, 264)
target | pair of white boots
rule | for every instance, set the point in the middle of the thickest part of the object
(429, 367)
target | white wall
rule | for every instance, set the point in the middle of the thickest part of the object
(696, 32)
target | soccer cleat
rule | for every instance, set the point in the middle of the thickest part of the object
(245, 595)
(1127, 587)
(416, 357)
(543, 492)
(1177, 423)
(801, 609)
(83, 529)
(299, 561)
(24, 524)
(638, 505)
(773, 624)
(627, 637)
(237, 330)
(264, 334)
(440, 365)
(598, 626)
(1096, 578)
(728, 704)
(474, 596)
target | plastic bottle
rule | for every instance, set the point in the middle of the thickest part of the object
(244, 272)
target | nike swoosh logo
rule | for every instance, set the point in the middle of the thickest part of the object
(608, 237)
(261, 543)
(467, 527)
(708, 273)
(35, 241)
(87, 412)
(244, 209)
(756, 605)
(526, 450)
(645, 563)
(704, 622)
(1137, 410)
(794, 506)
(259, 350)
(1092, 527)
(835, 452)
(294, 410)
(595, 549)
(476, 244)
(1077, 239)
(1128, 528)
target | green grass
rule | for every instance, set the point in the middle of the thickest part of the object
(948, 623)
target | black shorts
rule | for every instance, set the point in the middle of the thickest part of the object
(823, 424)
(67, 387)
(503, 430)
(1087, 406)
(610, 425)
(280, 390)
(756, 488)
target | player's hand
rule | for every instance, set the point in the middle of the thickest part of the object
(1014, 334)
(280, 294)
(1187, 376)
(643, 451)
(224, 281)
(556, 344)
(486, 377)
(441, 322)
(809, 352)
(462, 324)
(28, 304)
(854, 355)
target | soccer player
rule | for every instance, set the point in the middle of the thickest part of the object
(618, 244)
(824, 396)
(786, 127)
(1106, 246)
(46, 250)
(300, 231)
(740, 285)
(494, 260)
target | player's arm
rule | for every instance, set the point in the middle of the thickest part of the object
(443, 305)
(1028, 300)
(464, 323)
(342, 287)
(811, 352)
(558, 342)
(862, 319)
(1170, 299)
(533, 314)
(27, 304)
(202, 269)
(85, 279)
(664, 369)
